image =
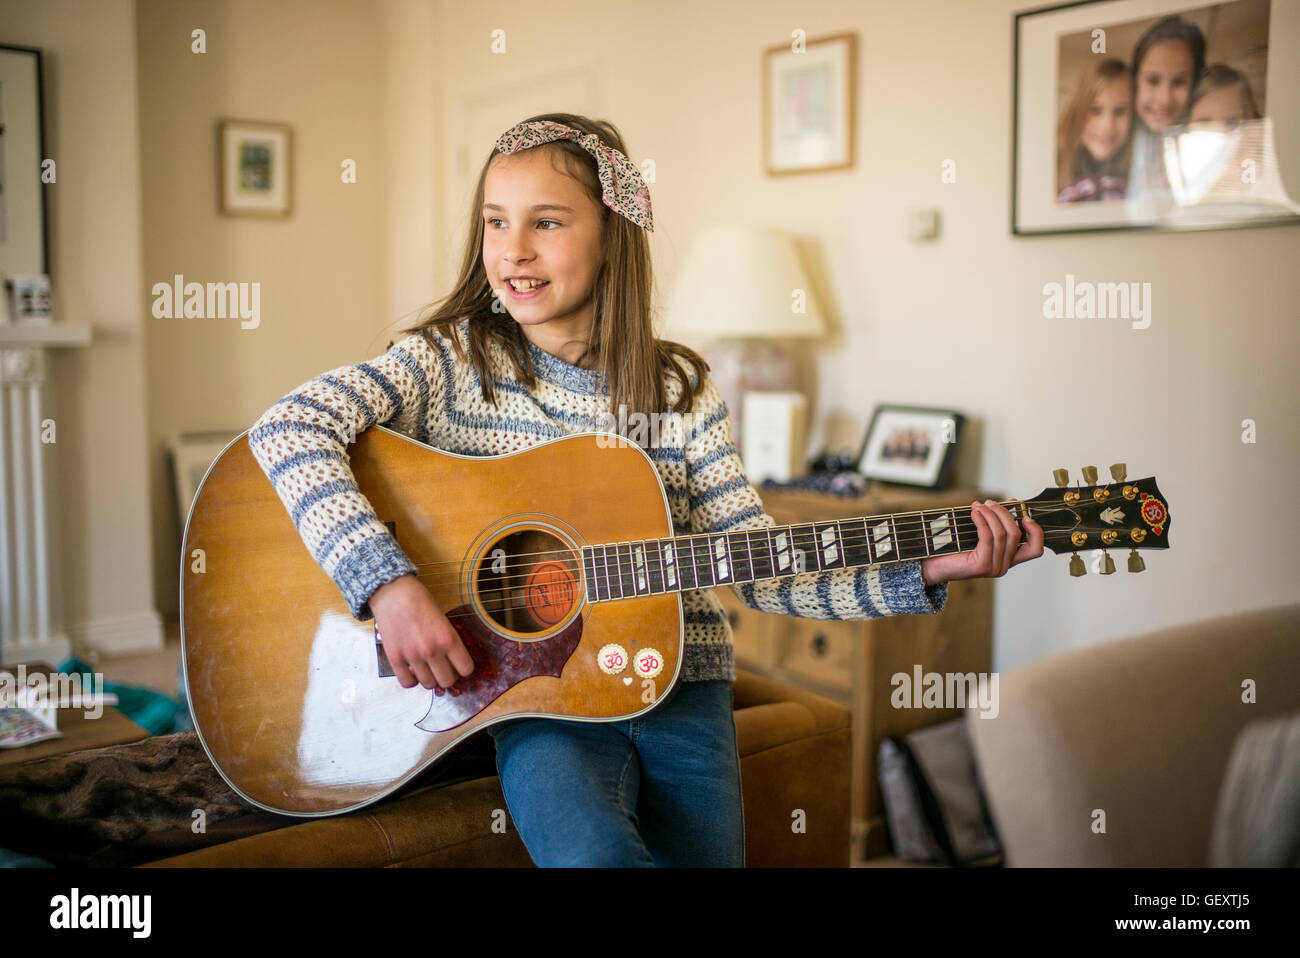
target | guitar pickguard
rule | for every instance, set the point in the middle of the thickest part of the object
(499, 665)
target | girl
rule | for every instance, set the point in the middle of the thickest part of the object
(1223, 96)
(1167, 61)
(547, 330)
(1092, 140)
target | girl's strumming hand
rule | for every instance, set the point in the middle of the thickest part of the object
(421, 644)
(998, 549)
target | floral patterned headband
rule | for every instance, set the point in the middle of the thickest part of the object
(622, 188)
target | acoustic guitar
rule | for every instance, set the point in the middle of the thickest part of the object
(558, 567)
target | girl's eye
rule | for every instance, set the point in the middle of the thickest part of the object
(496, 219)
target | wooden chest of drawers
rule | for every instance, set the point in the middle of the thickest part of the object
(853, 662)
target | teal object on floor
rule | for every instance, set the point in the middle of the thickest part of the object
(149, 708)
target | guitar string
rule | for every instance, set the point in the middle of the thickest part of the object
(907, 532)
(604, 581)
(905, 536)
(606, 578)
(692, 556)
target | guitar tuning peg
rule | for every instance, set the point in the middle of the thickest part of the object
(1090, 475)
(1119, 472)
(1076, 565)
(1107, 563)
(1062, 477)
(1135, 563)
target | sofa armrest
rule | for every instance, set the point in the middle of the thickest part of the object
(1140, 729)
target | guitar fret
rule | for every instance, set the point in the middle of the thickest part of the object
(941, 531)
(830, 542)
(626, 575)
(655, 563)
(782, 554)
(720, 556)
(702, 562)
(690, 563)
(856, 552)
(762, 563)
(609, 577)
(589, 567)
(910, 541)
(640, 582)
(880, 540)
(742, 566)
(686, 564)
(673, 582)
(806, 556)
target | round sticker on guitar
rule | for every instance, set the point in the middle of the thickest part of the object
(612, 659)
(1153, 512)
(648, 663)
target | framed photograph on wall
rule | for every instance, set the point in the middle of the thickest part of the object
(910, 445)
(24, 243)
(1156, 114)
(808, 104)
(256, 168)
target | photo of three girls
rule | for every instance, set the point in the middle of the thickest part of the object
(1111, 130)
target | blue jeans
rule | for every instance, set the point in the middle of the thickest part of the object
(659, 790)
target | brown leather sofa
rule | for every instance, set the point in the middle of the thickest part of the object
(794, 754)
(1139, 729)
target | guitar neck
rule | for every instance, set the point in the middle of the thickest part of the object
(624, 570)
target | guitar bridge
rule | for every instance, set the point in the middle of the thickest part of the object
(385, 667)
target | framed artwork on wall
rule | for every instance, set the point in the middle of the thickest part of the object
(808, 104)
(1155, 114)
(24, 242)
(256, 168)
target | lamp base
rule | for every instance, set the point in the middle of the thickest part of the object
(739, 366)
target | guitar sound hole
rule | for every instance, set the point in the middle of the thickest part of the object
(528, 581)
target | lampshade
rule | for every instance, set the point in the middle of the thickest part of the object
(740, 281)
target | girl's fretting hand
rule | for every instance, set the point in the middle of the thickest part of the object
(421, 644)
(998, 549)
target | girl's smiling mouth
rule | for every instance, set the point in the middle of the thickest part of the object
(527, 288)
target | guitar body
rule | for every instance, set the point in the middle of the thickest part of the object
(293, 698)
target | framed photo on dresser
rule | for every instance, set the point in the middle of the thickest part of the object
(910, 445)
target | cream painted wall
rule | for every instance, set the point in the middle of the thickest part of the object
(955, 322)
(100, 509)
(959, 322)
(321, 66)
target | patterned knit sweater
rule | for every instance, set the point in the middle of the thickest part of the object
(424, 391)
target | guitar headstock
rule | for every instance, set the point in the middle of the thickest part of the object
(1122, 514)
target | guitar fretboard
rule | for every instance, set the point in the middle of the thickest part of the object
(625, 570)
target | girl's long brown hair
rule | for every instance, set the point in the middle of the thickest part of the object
(623, 343)
(1069, 132)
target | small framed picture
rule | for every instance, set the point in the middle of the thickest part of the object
(256, 168)
(29, 299)
(910, 445)
(808, 105)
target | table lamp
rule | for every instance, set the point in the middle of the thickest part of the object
(743, 290)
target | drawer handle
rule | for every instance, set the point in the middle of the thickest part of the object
(819, 644)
